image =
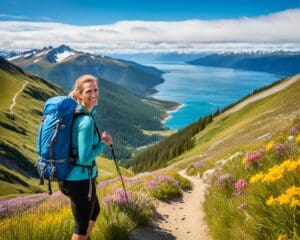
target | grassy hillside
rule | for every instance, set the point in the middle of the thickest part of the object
(215, 134)
(252, 124)
(255, 193)
(18, 128)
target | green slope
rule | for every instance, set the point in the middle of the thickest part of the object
(18, 131)
(250, 125)
(205, 140)
(18, 127)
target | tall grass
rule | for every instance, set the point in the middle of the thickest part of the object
(257, 195)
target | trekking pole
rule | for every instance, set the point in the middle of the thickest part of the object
(118, 169)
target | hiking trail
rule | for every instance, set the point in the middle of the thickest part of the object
(264, 94)
(180, 219)
(15, 97)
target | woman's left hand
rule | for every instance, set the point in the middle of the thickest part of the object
(107, 138)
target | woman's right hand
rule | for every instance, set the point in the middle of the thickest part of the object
(107, 138)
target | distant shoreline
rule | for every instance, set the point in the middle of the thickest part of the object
(168, 113)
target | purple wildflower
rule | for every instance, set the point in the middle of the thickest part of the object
(161, 178)
(295, 129)
(196, 165)
(18, 205)
(118, 198)
(152, 184)
(223, 180)
(280, 148)
(103, 184)
(107, 201)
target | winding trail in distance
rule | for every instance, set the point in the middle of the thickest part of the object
(264, 94)
(15, 97)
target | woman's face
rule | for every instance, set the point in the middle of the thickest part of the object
(89, 96)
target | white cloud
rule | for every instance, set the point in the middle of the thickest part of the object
(278, 30)
(8, 16)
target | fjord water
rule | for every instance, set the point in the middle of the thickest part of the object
(202, 90)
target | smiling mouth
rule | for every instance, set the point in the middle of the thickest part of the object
(94, 100)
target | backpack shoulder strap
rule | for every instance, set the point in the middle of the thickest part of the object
(77, 114)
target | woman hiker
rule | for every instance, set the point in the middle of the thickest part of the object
(80, 185)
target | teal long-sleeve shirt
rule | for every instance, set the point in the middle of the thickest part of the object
(86, 141)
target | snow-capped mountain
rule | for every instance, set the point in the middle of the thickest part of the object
(52, 55)
(283, 63)
(8, 54)
(62, 65)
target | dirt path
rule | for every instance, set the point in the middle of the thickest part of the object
(15, 97)
(182, 219)
(265, 93)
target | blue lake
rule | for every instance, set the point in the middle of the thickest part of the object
(202, 90)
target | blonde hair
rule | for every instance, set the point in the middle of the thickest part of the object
(78, 87)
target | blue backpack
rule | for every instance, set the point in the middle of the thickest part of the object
(55, 159)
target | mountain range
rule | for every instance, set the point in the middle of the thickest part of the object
(62, 65)
(278, 62)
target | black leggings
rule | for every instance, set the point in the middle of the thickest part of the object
(83, 209)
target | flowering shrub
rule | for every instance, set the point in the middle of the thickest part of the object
(225, 182)
(253, 159)
(137, 205)
(118, 198)
(240, 185)
(280, 148)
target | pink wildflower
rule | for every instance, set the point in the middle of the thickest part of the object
(240, 185)
(254, 157)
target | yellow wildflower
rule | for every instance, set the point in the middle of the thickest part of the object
(294, 202)
(257, 177)
(275, 173)
(298, 139)
(290, 165)
(244, 161)
(283, 199)
(282, 237)
(293, 190)
(270, 201)
(291, 197)
(269, 145)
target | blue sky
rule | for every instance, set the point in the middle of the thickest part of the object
(137, 26)
(93, 12)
